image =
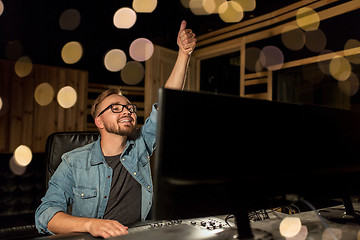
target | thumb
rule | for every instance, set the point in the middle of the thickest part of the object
(182, 26)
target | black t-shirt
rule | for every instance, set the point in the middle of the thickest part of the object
(124, 204)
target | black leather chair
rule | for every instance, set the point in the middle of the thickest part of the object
(61, 142)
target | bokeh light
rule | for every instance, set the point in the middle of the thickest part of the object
(352, 43)
(144, 6)
(202, 7)
(22, 155)
(230, 12)
(72, 52)
(307, 19)
(271, 58)
(252, 56)
(302, 235)
(315, 40)
(69, 19)
(293, 37)
(13, 50)
(324, 65)
(67, 97)
(311, 74)
(23, 66)
(115, 60)
(1, 7)
(44, 94)
(351, 86)
(15, 168)
(141, 49)
(340, 68)
(330, 233)
(290, 227)
(247, 5)
(124, 18)
(1, 103)
(133, 73)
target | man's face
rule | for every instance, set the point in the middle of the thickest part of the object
(122, 123)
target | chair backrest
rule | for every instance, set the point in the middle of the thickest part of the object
(61, 142)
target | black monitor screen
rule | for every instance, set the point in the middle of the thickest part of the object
(218, 153)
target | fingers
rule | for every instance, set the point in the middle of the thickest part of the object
(186, 39)
(107, 228)
(182, 26)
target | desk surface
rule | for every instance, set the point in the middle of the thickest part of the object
(265, 229)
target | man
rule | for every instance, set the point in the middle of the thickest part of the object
(108, 182)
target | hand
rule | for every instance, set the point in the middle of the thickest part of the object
(186, 39)
(105, 228)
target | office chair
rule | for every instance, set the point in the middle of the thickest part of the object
(59, 143)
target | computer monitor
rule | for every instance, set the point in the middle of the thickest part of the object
(220, 154)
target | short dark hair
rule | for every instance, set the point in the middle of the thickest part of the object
(101, 97)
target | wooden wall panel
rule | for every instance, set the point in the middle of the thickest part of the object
(23, 121)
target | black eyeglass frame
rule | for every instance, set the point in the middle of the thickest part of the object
(132, 110)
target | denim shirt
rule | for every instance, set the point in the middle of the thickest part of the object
(83, 178)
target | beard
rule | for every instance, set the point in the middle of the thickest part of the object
(116, 129)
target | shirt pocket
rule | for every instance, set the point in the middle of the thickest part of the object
(144, 159)
(85, 201)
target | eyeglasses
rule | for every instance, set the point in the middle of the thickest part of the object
(118, 108)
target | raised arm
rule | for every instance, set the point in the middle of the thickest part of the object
(186, 41)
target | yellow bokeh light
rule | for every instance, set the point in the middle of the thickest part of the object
(290, 227)
(340, 68)
(69, 19)
(352, 43)
(144, 6)
(315, 40)
(247, 5)
(231, 11)
(293, 37)
(202, 7)
(71, 52)
(307, 19)
(22, 155)
(141, 49)
(350, 87)
(44, 94)
(67, 97)
(15, 168)
(124, 18)
(23, 66)
(115, 60)
(1, 7)
(132, 73)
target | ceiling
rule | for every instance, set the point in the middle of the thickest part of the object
(35, 24)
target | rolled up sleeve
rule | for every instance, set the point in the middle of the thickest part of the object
(57, 198)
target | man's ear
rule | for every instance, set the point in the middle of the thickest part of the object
(99, 123)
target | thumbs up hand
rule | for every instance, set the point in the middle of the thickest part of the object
(186, 39)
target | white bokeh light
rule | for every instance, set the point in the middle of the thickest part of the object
(141, 49)
(67, 97)
(124, 18)
(115, 60)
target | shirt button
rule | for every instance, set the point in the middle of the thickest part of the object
(123, 159)
(134, 173)
(149, 187)
(82, 194)
(148, 157)
(108, 176)
(105, 197)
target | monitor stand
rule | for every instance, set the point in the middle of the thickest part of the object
(244, 231)
(342, 215)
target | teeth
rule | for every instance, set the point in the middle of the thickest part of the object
(126, 120)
